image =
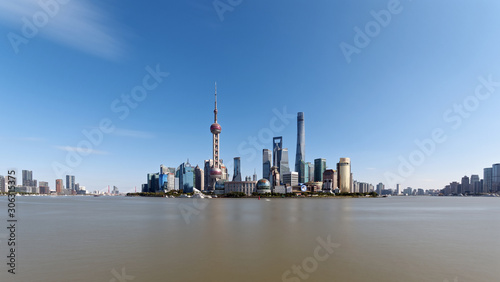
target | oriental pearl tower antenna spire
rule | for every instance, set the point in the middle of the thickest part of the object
(215, 171)
(215, 111)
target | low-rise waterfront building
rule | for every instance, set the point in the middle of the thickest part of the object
(247, 187)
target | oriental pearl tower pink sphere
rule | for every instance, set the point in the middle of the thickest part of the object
(215, 173)
(215, 128)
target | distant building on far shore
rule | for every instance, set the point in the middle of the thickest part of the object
(59, 186)
(380, 188)
(495, 178)
(44, 187)
(488, 177)
(3, 185)
(398, 189)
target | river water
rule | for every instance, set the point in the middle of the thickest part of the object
(119, 239)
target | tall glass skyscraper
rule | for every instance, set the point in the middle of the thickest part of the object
(153, 182)
(319, 168)
(163, 181)
(237, 169)
(311, 171)
(304, 168)
(280, 156)
(301, 142)
(163, 177)
(266, 164)
(284, 166)
(207, 167)
(186, 178)
(277, 147)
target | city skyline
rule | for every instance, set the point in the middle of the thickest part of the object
(398, 89)
(277, 144)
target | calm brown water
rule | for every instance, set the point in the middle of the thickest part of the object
(137, 239)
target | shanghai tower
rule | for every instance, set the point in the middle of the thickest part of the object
(301, 142)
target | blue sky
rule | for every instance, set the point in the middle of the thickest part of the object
(266, 57)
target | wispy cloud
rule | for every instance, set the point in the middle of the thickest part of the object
(132, 133)
(81, 150)
(371, 168)
(77, 24)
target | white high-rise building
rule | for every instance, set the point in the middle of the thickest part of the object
(398, 189)
(176, 183)
(170, 181)
(344, 175)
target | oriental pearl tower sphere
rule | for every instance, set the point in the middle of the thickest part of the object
(215, 128)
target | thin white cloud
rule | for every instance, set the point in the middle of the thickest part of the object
(77, 24)
(132, 133)
(371, 168)
(81, 150)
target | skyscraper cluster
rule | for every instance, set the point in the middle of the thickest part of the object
(305, 172)
(29, 185)
(473, 185)
(213, 175)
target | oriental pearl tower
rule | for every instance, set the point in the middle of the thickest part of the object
(215, 128)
